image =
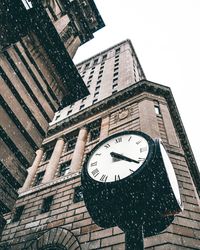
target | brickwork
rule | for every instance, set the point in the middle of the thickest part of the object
(35, 68)
(69, 224)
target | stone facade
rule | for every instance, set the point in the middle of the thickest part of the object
(36, 75)
(50, 211)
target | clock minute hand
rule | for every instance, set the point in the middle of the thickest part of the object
(122, 157)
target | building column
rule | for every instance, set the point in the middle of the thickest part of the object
(32, 170)
(54, 160)
(104, 128)
(148, 119)
(79, 150)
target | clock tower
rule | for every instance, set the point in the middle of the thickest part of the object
(50, 212)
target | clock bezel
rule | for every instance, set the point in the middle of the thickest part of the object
(149, 157)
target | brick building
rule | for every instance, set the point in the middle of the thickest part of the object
(50, 211)
(37, 43)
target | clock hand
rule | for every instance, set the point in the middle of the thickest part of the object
(122, 157)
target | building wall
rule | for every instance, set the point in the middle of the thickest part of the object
(104, 74)
(32, 85)
(67, 218)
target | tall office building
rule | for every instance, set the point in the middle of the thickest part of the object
(37, 77)
(50, 212)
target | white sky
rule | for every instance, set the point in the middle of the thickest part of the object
(166, 38)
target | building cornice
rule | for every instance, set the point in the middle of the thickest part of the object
(130, 92)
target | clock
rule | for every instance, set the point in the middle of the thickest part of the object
(162, 198)
(108, 172)
(119, 156)
(128, 181)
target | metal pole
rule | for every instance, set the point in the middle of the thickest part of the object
(134, 239)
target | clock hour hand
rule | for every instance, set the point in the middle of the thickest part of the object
(122, 157)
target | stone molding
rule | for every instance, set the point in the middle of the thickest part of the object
(55, 237)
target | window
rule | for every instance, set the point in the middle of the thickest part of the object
(99, 76)
(100, 72)
(83, 99)
(82, 107)
(157, 108)
(46, 204)
(78, 194)
(115, 80)
(89, 82)
(98, 82)
(87, 65)
(94, 101)
(71, 142)
(64, 168)
(18, 213)
(115, 69)
(90, 76)
(102, 67)
(115, 74)
(58, 116)
(117, 51)
(115, 85)
(97, 88)
(69, 112)
(94, 130)
(102, 63)
(38, 178)
(117, 56)
(104, 57)
(48, 154)
(117, 60)
(96, 94)
(91, 72)
(116, 64)
(115, 91)
(95, 61)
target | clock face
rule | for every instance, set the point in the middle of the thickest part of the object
(117, 157)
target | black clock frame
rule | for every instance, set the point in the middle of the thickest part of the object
(96, 193)
(136, 199)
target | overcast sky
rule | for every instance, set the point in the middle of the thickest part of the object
(166, 38)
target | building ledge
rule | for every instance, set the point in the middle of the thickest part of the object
(131, 91)
(55, 181)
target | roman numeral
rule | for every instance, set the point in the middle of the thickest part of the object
(95, 172)
(130, 138)
(117, 177)
(138, 142)
(93, 164)
(107, 145)
(118, 140)
(131, 170)
(98, 154)
(103, 177)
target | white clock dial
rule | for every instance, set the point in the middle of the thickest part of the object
(118, 157)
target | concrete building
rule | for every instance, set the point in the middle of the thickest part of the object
(37, 77)
(50, 211)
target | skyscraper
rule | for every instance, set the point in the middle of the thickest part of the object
(50, 212)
